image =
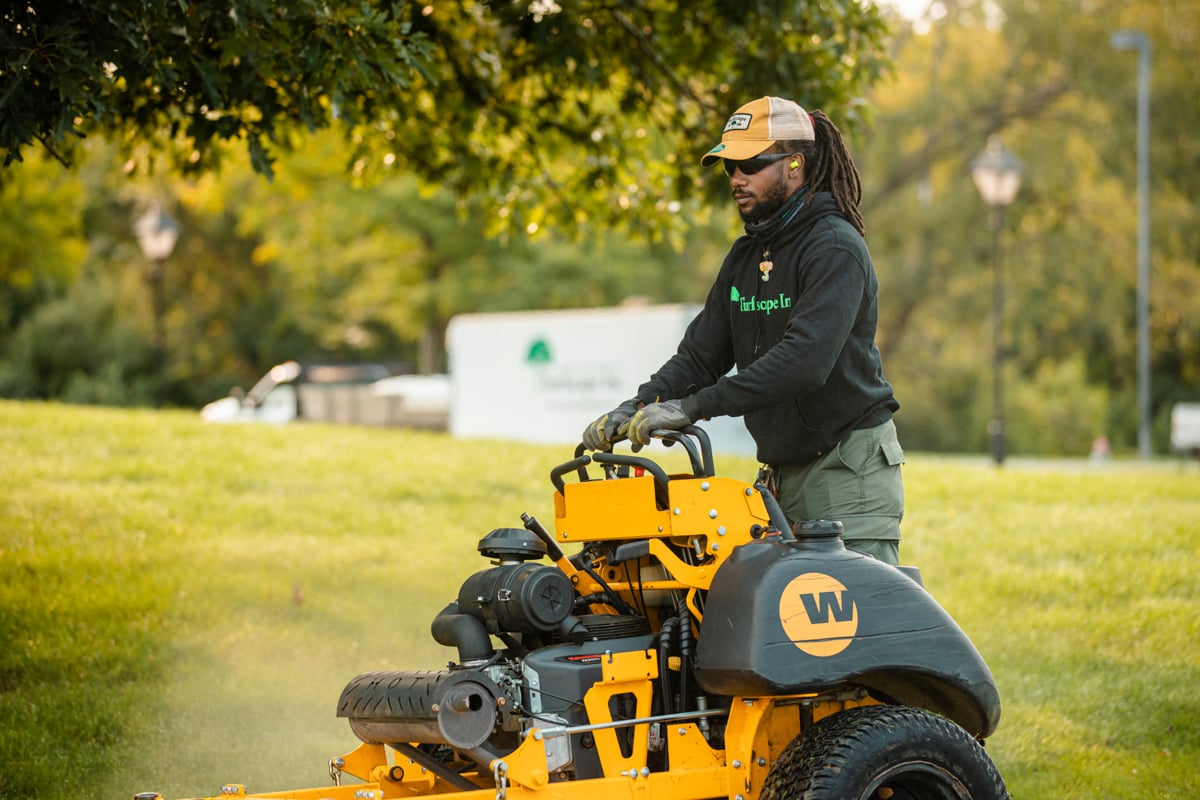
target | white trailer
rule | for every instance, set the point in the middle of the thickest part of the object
(542, 376)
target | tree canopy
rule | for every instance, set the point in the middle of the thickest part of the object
(377, 231)
(578, 110)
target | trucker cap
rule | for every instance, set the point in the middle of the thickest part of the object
(756, 126)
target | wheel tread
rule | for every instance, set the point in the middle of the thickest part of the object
(843, 754)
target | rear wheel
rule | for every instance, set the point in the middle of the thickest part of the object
(884, 753)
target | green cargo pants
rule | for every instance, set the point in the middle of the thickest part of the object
(857, 483)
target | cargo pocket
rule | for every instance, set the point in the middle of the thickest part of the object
(874, 461)
(893, 454)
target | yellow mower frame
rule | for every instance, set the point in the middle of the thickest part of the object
(685, 528)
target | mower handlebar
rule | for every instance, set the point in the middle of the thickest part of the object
(693, 439)
(580, 463)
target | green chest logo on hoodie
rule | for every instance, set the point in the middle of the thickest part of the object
(753, 304)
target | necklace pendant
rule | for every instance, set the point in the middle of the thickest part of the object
(765, 268)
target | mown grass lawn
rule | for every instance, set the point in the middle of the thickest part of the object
(180, 604)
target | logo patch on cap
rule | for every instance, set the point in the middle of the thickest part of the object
(738, 122)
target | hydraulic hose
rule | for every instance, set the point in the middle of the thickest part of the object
(685, 653)
(665, 634)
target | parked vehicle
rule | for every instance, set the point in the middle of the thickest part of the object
(526, 376)
(364, 394)
(1185, 428)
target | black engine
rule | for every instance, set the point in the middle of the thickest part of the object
(480, 706)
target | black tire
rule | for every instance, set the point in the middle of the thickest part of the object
(882, 753)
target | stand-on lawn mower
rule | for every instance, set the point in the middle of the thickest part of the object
(692, 646)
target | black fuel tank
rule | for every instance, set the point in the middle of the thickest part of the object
(804, 616)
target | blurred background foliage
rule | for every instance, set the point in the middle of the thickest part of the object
(503, 156)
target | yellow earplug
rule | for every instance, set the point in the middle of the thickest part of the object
(795, 164)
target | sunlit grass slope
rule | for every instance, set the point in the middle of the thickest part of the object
(181, 604)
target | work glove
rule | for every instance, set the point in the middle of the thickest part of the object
(668, 414)
(600, 434)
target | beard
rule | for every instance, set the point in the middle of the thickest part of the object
(772, 199)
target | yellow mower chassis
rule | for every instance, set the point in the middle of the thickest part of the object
(709, 515)
(758, 730)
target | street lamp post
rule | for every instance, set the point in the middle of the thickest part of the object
(156, 232)
(997, 175)
(1136, 40)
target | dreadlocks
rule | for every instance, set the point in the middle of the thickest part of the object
(829, 168)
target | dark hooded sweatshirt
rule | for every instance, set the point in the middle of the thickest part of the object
(803, 341)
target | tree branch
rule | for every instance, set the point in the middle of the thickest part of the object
(50, 149)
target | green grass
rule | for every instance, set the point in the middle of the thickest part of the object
(180, 604)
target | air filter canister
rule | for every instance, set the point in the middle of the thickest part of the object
(517, 598)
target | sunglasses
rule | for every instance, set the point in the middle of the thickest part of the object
(753, 165)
